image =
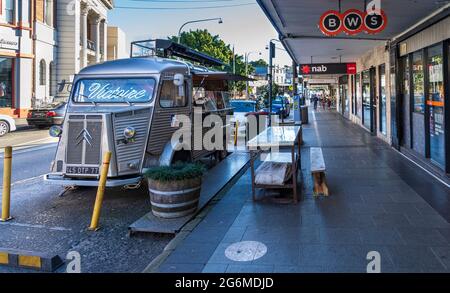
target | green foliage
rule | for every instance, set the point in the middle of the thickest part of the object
(263, 100)
(176, 172)
(203, 41)
(259, 63)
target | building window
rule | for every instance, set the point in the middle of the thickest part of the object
(436, 98)
(42, 72)
(418, 83)
(45, 11)
(6, 82)
(48, 12)
(9, 11)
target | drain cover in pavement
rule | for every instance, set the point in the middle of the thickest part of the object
(245, 251)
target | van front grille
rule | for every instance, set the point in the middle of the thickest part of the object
(84, 141)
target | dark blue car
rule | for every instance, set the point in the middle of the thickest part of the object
(281, 107)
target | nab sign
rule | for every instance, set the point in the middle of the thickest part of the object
(328, 68)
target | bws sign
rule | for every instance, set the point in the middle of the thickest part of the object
(328, 68)
(353, 21)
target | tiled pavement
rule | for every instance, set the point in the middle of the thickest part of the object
(379, 202)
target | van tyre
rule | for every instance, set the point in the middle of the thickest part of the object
(4, 128)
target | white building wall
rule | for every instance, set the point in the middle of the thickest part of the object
(45, 50)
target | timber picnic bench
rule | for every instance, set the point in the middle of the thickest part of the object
(318, 172)
(279, 170)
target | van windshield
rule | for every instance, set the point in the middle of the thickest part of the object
(117, 90)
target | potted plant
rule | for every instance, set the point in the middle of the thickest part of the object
(175, 190)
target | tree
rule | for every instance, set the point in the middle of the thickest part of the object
(263, 100)
(203, 41)
(259, 63)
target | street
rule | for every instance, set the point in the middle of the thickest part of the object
(46, 223)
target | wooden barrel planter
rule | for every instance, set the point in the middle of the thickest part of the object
(175, 190)
(174, 199)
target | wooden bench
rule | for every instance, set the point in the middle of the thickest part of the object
(318, 172)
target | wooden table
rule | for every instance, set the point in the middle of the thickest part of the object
(272, 140)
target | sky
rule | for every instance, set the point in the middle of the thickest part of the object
(245, 27)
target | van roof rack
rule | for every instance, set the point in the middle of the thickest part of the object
(166, 49)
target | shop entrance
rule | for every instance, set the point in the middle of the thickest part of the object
(369, 108)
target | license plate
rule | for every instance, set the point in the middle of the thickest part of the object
(82, 170)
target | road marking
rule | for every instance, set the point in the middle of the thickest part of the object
(33, 143)
(26, 180)
(35, 226)
(31, 149)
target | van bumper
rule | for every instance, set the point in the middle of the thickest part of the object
(57, 179)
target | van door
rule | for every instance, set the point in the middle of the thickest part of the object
(172, 101)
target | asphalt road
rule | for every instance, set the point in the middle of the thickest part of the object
(46, 223)
(30, 163)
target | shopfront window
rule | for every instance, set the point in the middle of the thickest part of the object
(366, 99)
(6, 84)
(436, 104)
(418, 83)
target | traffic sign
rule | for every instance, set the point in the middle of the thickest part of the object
(331, 23)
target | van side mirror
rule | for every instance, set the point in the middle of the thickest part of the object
(178, 79)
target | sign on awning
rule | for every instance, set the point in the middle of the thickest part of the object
(328, 68)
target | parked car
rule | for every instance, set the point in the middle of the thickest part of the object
(53, 114)
(7, 124)
(281, 106)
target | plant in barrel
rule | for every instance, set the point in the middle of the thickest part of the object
(175, 190)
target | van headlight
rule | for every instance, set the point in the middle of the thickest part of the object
(55, 131)
(129, 133)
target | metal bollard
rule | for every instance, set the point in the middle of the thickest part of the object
(236, 132)
(100, 192)
(6, 195)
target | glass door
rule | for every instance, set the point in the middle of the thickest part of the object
(382, 101)
(435, 103)
(366, 99)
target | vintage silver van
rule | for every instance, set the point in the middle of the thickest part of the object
(128, 107)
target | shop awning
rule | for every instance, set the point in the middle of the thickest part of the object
(297, 24)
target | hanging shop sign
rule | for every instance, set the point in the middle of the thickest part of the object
(331, 23)
(328, 68)
(354, 21)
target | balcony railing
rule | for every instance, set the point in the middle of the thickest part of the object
(91, 45)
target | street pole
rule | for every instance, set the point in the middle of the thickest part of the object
(270, 79)
(246, 74)
(234, 73)
(247, 59)
(195, 21)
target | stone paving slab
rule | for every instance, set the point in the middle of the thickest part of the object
(379, 202)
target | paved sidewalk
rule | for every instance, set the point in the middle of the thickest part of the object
(379, 202)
